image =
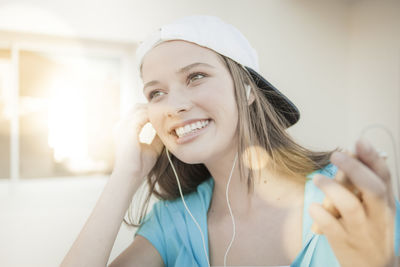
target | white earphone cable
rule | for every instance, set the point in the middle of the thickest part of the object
(230, 211)
(194, 220)
(184, 203)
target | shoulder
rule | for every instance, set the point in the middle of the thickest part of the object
(170, 228)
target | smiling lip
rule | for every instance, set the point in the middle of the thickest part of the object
(189, 137)
(182, 124)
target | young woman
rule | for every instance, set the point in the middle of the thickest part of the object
(235, 189)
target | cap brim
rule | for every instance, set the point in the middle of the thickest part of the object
(280, 102)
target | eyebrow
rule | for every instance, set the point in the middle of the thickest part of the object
(182, 70)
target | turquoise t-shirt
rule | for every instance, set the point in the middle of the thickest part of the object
(171, 230)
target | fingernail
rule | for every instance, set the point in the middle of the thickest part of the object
(382, 154)
(315, 229)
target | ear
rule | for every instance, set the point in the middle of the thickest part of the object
(249, 94)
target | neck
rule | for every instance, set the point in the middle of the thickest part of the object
(271, 188)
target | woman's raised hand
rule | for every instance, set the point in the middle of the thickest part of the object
(131, 156)
(364, 234)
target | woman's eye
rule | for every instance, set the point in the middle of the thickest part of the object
(154, 94)
(195, 76)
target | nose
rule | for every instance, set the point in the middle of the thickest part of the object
(177, 104)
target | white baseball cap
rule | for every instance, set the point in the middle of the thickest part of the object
(213, 33)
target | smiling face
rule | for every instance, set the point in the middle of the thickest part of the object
(191, 101)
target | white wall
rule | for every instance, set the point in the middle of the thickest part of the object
(41, 218)
(373, 94)
(337, 60)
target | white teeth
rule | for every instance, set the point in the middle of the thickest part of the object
(182, 131)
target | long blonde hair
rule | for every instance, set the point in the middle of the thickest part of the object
(259, 124)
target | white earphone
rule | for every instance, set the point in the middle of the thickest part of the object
(248, 88)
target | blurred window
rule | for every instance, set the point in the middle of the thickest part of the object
(67, 107)
(5, 94)
(59, 101)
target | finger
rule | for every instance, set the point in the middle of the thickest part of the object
(373, 189)
(348, 205)
(157, 144)
(361, 176)
(132, 122)
(370, 157)
(138, 110)
(327, 224)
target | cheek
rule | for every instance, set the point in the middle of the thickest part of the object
(215, 95)
(223, 102)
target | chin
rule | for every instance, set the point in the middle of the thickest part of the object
(189, 156)
(190, 159)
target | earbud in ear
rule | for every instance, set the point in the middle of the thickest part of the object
(248, 88)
